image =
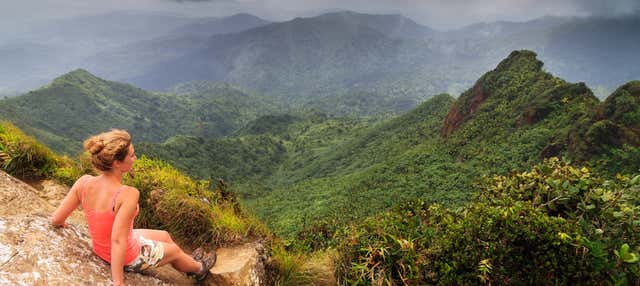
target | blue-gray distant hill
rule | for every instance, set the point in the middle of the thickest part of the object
(136, 58)
(334, 51)
(32, 55)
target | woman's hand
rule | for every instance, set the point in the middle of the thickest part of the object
(63, 225)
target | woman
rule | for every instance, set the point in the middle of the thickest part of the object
(110, 209)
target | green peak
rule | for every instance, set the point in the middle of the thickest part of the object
(623, 105)
(77, 77)
(79, 72)
(519, 60)
(442, 97)
(632, 88)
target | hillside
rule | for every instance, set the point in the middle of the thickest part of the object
(77, 104)
(513, 117)
(232, 159)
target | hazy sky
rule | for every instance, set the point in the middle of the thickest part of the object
(440, 14)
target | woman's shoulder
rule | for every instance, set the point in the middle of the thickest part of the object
(85, 177)
(129, 191)
(81, 184)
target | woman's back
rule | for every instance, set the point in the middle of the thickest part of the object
(98, 198)
(111, 208)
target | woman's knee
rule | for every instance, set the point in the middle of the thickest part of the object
(167, 236)
(172, 251)
(164, 236)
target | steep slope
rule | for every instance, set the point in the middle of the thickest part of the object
(513, 112)
(78, 104)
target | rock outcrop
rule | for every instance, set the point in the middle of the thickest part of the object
(33, 252)
(242, 265)
(464, 109)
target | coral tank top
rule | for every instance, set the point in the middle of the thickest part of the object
(100, 226)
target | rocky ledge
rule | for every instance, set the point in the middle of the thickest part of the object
(33, 252)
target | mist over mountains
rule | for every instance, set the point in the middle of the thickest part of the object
(317, 56)
(35, 54)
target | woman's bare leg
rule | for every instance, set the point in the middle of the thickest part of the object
(172, 252)
(178, 259)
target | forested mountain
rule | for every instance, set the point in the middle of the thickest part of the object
(303, 55)
(78, 104)
(512, 118)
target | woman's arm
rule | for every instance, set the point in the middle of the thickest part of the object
(124, 217)
(69, 203)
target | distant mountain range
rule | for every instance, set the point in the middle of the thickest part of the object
(325, 55)
(385, 53)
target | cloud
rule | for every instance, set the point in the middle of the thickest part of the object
(441, 14)
(201, 1)
(609, 8)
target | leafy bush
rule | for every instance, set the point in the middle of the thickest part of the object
(554, 225)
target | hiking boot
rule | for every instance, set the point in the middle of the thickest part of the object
(198, 253)
(208, 261)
